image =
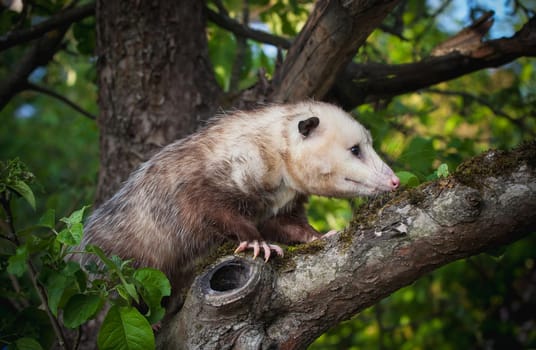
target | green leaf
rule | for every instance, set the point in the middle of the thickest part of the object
(100, 253)
(24, 191)
(27, 344)
(60, 287)
(7, 248)
(131, 289)
(55, 286)
(65, 236)
(80, 308)
(121, 290)
(419, 155)
(408, 179)
(17, 263)
(153, 286)
(128, 291)
(76, 217)
(71, 235)
(442, 170)
(48, 219)
(125, 328)
(80, 276)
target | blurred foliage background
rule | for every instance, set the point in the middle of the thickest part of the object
(487, 301)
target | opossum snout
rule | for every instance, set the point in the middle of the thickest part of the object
(395, 182)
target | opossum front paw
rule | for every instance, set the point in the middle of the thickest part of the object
(256, 246)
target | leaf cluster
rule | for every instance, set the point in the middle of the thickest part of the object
(45, 286)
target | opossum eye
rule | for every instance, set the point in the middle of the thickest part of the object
(356, 151)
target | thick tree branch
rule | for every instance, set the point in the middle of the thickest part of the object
(57, 21)
(330, 38)
(361, 83)
(488, 202)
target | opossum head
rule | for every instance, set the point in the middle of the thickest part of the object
(330, 154)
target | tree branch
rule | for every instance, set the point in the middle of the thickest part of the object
(240, 30)
(240, 54)
(362, 83)
(331, 37)
(57, 21)
(488, 202)
(37, 55)
(61, 98)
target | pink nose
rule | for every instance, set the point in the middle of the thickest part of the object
(395, 182)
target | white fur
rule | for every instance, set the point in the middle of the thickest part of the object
(320, 163)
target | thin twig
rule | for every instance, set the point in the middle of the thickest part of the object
(221, 9)
(240, 54)
(16, 287)
(238, 29)
(77, 339)
(47, 91)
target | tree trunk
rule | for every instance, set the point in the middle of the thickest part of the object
(155, 81)
(289, 302)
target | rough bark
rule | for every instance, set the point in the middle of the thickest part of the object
(330, 38)
(238, 303)
(155, 81)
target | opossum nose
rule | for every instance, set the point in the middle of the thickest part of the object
(395, 182)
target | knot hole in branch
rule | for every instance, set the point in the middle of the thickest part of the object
(231, 281)
(229, 276)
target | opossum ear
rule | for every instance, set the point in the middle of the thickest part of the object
(306, 126)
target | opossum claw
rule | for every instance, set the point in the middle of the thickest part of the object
(268, 250)
(156, 327)
(241, 247)
(256, 245)
(277, 249)
(256, 249)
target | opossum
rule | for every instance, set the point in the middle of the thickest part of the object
(245, 176)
